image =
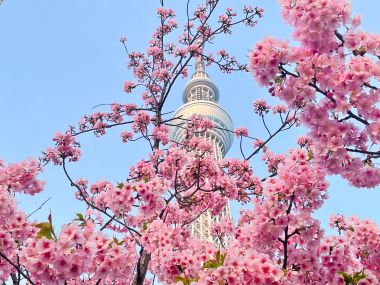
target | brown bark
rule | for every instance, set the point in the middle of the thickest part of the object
(141, 268)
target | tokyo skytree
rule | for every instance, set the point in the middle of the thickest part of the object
(201, 97)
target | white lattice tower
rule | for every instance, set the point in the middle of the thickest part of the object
(201, 96)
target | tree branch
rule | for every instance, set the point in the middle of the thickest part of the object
(39, 208)
(19, 270)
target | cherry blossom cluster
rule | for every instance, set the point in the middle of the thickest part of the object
(295, 250)
(200, 263)
(260, 107)
(126, 136)
(281, 218)
(80, 254)
(331, 78)
(315, 22)
(140, 122)
(171, 265)
(247, 182)
(279, 109)
(223, 228)
(266, 57)
(258, 269)
(340, 263)
(161, 134)
(128, 86)
(200, 184)
(117, 198)
(98, 122)
(242, 131)
(272, 160)
(66, 148)
(15, 229)
(199, 123)
(361, 42)
(362, 240)
(21, 177)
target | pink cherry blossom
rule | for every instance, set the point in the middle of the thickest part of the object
(66, 147)
(329, 79)
(241, 132)
(261, 107)
(21, 177)
(128, 86)
(139, 227)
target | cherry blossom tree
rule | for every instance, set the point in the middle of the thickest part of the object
(136, 231)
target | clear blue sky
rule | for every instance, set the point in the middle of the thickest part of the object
(61, 58)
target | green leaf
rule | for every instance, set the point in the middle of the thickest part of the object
(80, 217)
(310, 155)
(353, 280)
(120, 185)
(222, 258)
(358, 276)
(43, 225)
(279, 79)
(146, 179)
(211, 264)
(45, 233)
(217, 255)
(219, 261)
(186, 280)
(347, 278)
(145, 226)
(46, 230)
(115, 240)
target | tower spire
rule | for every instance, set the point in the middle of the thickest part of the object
(200, 86)
(199, 65)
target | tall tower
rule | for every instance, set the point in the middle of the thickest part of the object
(201, 96)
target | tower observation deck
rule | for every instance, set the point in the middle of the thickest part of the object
(201, 96)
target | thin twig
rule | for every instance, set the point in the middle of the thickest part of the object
(16, 267)
(107, 223)
(39, 208)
